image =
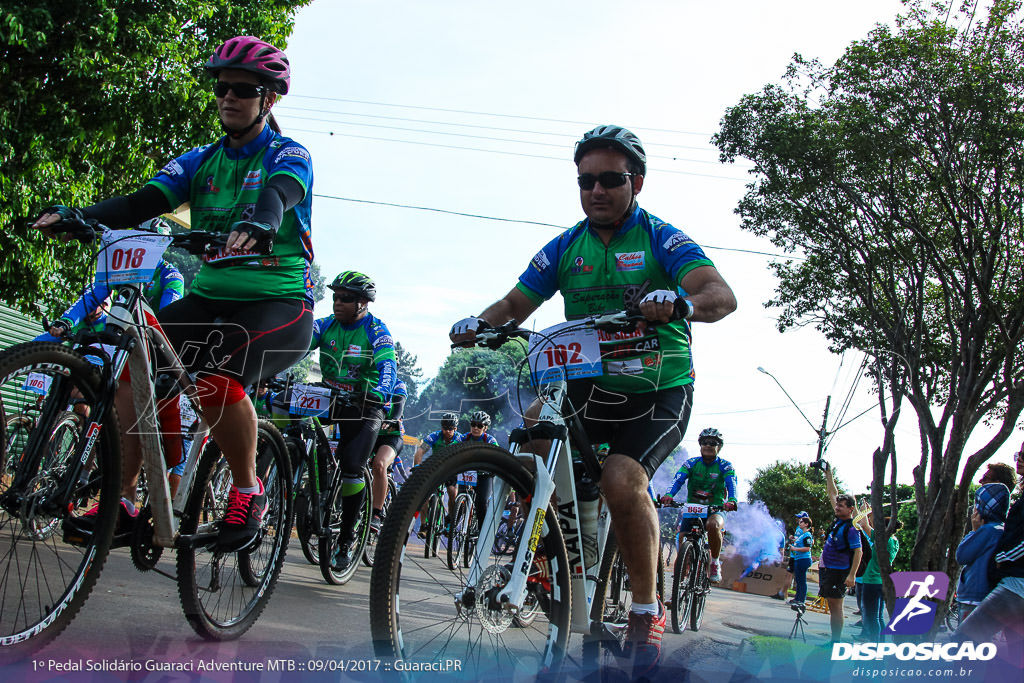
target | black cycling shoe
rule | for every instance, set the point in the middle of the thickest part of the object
(78, 530)
(343, 554)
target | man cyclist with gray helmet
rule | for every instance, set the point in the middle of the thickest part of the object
(622, 257)
(710, 480)
(357, 355)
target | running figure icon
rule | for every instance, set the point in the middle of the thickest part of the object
(917, 593)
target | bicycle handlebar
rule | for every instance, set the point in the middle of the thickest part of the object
(494, 337)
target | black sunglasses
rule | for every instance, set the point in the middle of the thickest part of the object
(608, 180)
(243, 91)
(707, 442)
(477, 424)
(346, 298)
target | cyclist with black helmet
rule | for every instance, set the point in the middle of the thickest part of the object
(479, 423)
(357, 354)
(710, 480)
(249, 311)
(622, 257)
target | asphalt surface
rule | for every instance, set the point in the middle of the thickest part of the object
(134, 621)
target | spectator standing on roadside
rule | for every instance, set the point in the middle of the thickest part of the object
(992, 502)
(840, 557)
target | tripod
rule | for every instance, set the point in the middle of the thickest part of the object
(799, 623)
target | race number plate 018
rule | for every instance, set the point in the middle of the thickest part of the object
(129, 256)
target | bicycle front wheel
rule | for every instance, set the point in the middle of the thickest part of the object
(52, 545)
(222, 594)
(422, 610)
(458, 528)
(333, 572)
(701, 588)
(682, 580)
(370, 551)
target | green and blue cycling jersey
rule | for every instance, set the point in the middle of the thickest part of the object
(435, 442)
(221, 185)
(359, 358)
(484, 438)
(644, 255)
(708, 482)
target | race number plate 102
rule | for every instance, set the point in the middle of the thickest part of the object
(565, 351)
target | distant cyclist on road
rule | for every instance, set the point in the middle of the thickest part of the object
(357, 355)
(711, 479)
(436, 442)
(479, 423)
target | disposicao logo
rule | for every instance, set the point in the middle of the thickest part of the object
(917, 596)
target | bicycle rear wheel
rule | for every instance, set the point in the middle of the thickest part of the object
(222, 594)
(45, 575)
(419, 610)
(682, 580)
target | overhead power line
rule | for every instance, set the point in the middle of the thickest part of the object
(518, 220)
(483, 113)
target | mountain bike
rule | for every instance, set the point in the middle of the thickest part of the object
(370, 549)
(549, 581)
(318, 479)
(45, 581)
(690, 582)
(463, 526)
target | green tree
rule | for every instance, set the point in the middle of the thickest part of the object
(409, 371)
(98, 94)
(787, 487)
(897, 174)
(476, 379)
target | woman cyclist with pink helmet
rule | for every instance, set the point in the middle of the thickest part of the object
(249, 313)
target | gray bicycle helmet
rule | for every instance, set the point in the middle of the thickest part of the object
(615, 137)
(449, 421)
(357, 283)
(712, 433)
(481, 417)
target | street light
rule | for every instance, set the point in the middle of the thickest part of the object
(822, 433)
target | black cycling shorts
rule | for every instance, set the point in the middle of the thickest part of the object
(393, 440)
(244, 340)
(645, 427)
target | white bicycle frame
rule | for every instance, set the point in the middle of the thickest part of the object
(166, 513)
(556, 471)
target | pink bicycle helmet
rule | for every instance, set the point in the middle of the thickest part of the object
(255, 56)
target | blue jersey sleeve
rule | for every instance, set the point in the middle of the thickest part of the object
(541, 276)
(172, 282)
(292, 159)
(384, 358)
(729, 475)
(681, 474)
(175, 178)
(677, 253)
(94, 295)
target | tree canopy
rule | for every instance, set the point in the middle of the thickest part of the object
(788, 487)
(896, 176)
(476, 379)
(98, 95)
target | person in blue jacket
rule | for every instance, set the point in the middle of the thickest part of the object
(992, 501)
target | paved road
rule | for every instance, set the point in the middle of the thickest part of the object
(134, 618)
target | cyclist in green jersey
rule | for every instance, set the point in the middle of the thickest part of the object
(622, 257)
(249, 312)
(710, 480)
(357, 355)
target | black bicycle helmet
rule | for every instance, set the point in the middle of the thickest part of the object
(357, 283)
(615, 137)
(712, 433)
(449, 421)
(481, 417)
